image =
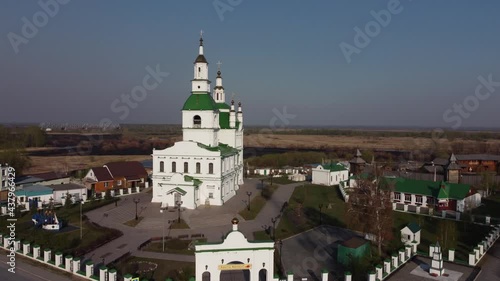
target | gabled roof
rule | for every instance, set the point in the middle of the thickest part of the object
(334, 167)
(127, 169)
(413, 227)
(102, 174)
(440, 190)
(178, 190)
(200, 102)
(67, 186)
(50, 176)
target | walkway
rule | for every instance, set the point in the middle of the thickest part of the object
(212, 221)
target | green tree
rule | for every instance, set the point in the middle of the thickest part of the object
(67, 200)
(16, 157)
(34, 136)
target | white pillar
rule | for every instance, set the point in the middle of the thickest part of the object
(112, 275)
(67, 264)
(402, 257)
(394, 206)
(348, 276)
(387, 266)
(59, 259)
(121, 191)
(26, 248)
(472, 258)
(395, 260)
(127, 277)
(451, 255)
(372, 276)
(414, 247)
(6, 242)
(103, 271)
(405, 208)
(89, 269)
(418, 209)
(289, 276)
(324, 275)
(380, 272)
(36, 251)
(137, 189)
(481, 249)
(76, 265)
(130, 190)
(17, 245)
(488, 220)
(47, 255)
(476, 251)
(408, 251)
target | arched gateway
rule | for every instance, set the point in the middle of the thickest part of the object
(235, 259)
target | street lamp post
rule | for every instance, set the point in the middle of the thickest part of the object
(320, 213)
(81, 220)
(136, 201)
(179, 203)
(280, 244)
(163, 236)
(249, 193)
(273, 220)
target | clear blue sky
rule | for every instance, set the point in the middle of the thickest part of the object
(275, 54)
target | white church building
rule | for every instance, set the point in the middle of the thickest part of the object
(206, 167)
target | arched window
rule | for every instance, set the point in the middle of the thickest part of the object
(199, 70)
(197, 121)
(162, 167)
(210, 168)
(174, 168)
(198, 167)
(186, 166)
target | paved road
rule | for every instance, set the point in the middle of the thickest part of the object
(490, 264)
(25, 271)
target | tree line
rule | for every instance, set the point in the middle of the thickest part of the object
(13, 144)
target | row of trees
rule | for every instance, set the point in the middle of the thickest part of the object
(13, 142)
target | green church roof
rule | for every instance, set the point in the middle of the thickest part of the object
(334, 167)
(224, 120)
(223, 105)
(224, 149)
(200, 102)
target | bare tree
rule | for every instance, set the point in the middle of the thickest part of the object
(369, 209)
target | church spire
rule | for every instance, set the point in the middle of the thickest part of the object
(201, 43)
(219, 95)
(200, 82)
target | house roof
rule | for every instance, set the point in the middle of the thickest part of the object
(102, 174)
(127, 169)
(437, 189)
(354, 242)
(486, 157)
(222, 105)
(26, 179)
(413, 227)
(178, 190)
(200, 102)
(34, 190)
(200, 58)
(66, 186)
(49, 176)
(334, 167)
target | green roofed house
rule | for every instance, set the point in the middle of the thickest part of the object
(438, 195)
(329, 174)
(206, 167)
(410, 233)
(352, 249)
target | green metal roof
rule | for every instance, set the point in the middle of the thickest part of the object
(334, 167)
(413, 227)
(222, 105)
(200, 102)
(177, 189)
(440, 190)
(224, 149)
(196, 181)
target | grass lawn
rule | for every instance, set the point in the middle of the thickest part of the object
(162, 269)
(133, 222)
(179, 225)
(173, 246)
(459, 235)
(68, 239)
(490, 206)
(303, 212)
(258, 202)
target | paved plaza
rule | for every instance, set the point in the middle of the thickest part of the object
(211, 221)
(417, 270)
(308, 253)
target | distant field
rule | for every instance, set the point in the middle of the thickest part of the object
(42, 164)
(324, 141)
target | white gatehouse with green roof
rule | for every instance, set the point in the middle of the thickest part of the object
(206, 167)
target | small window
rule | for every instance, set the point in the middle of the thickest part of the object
(199, 69)
(211, 195)
(198, 168)
(186, 166)
(119, 182)
(162, 167)
(174, 168)
(197, 121)
(210, 168)
(106, 184)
